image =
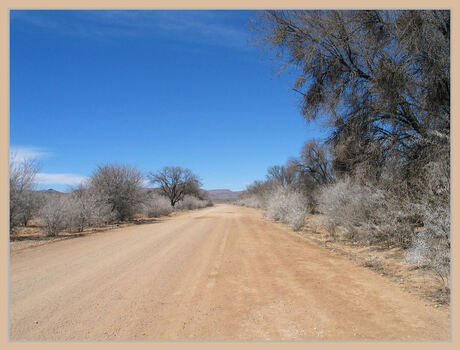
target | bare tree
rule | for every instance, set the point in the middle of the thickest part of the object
(175, 182)
(30, 203)
(315, 162)
(121, 187)
(382, 77)
(22, 182)
(87, 207)
(284, 175)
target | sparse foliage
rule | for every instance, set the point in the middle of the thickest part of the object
(380, 79)
(249, 201)
(121, 187)
(85, 207)
(315, 163)
(191, 202)
(23, 203)
(383, 77)
(157, 205)
(175, 182)
(53, 214)
(288, 206)
(368, 215)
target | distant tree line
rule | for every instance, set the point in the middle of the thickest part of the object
(380, 81)
(113, 193)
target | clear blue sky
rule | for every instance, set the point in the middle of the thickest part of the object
(149, 89)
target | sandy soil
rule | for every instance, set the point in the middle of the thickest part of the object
(218, 273)
(390, 262)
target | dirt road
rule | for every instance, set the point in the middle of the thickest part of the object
(218, 273)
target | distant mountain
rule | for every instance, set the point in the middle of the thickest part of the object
(224, 195)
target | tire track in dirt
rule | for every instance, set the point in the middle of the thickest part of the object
(218, 273)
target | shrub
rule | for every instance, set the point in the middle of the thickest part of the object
(251, 201)
(53, 214)
(121, 187)
(367, 214)
(86, 207)
(288, 206)
(157, 205)
(191, 202)
(431, 245)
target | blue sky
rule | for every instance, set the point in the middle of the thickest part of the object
(149, 89)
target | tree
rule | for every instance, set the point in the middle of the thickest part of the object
(315, 162)
(22, 181)
(120, 186)
(175, 182)
(86, 207)
(30, 202)
(284, 175)
(382, 78)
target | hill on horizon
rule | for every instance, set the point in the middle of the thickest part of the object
(224, 194)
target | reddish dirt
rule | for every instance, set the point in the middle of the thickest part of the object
(220, 273)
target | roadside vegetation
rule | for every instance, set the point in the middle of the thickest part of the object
(380, 82)
(113, 194)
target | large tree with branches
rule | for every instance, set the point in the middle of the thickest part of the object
(381, 78)
(175, 182)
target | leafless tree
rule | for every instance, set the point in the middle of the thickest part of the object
(22, 181)
(284, 175)
(31, 201)
(315, 162)
(175, 182)
(86, 207)
(120, 186)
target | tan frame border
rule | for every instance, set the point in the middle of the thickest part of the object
(203, 4)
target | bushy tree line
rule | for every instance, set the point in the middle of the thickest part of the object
(380, 81)
(113, 193)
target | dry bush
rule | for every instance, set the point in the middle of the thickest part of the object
(85, 207)
(367, 214)
(191, 202)
(121, 187)
(257, 193)
(250, 201)
(53, 215)
(431, 245)
(157, 205)
(29, 202)
(288, 206)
